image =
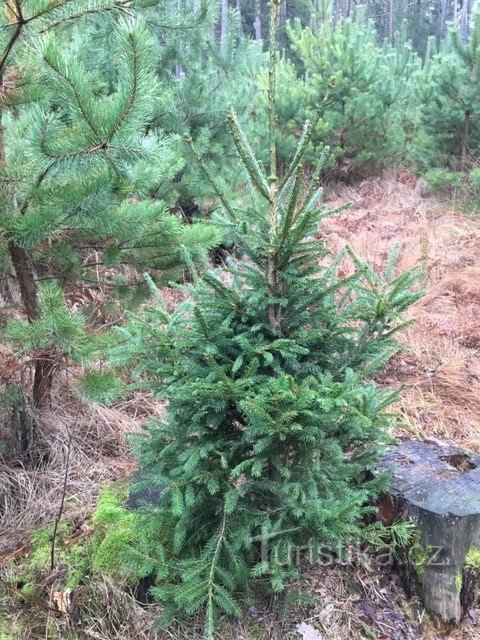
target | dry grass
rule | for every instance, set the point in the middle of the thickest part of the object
(440, 370)
(30, 492)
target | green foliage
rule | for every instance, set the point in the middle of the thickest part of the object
(475, 178)
(101, 386)
(82, 160)
(74, 559)
(393, 539)
(439, 178)
(84, 168)
(449, 96)
(272, 415)
(56, 326)
(114, 529)
(356, 92)
(194, 101)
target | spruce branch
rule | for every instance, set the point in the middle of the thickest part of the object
(247, 155)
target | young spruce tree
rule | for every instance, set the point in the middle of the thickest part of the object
(272, 415)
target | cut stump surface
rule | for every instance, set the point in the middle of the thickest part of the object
(437, 485)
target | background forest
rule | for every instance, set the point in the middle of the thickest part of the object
(175, 188)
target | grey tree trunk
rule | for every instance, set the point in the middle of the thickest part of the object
(437, 487)
(465, 15)
(336, 10)
(258, 21)
(178, 69)
(239, 11)
(224, 27)
(390, 22)
(442, 19)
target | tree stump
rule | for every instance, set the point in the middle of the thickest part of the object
(437, 485)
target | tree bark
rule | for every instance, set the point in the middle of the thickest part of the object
(435, 486)
(44, 362)
(390, 22)
(178, 68)
(465, 140)
(240, 20)
(258, 21)
(465, 15)
(224, 28)
(442, 20)
(22, 424)
(25, 274)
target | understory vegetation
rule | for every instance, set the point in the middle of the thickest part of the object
(200, 310)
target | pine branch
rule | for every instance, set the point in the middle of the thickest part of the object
(218, 190)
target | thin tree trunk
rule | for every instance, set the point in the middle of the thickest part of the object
(464, 142)
(442, 20)
(45, 361)
(26, 280)
(240, 20)
(390, 22)
(224, 27)
(177, 72)
(336, 10)
(465, 14)
(258, 21)
(22, 423)
(25, 273)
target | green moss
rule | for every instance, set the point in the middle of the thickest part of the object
(115, 530)
(39, 557)
(116, 545)
(97, 553)
(420, 556)
(78, 560)
(472, 561)
(459, 581)
(6, 634)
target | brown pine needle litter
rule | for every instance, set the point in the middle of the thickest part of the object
(440, 375)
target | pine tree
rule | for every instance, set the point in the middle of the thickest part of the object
(81, 166)
(273, 417)
(195, 103)
(360, 89)
(449, 93)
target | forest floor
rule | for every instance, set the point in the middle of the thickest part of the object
(440, 376)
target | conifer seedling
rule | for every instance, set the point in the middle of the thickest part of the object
(273, 416)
